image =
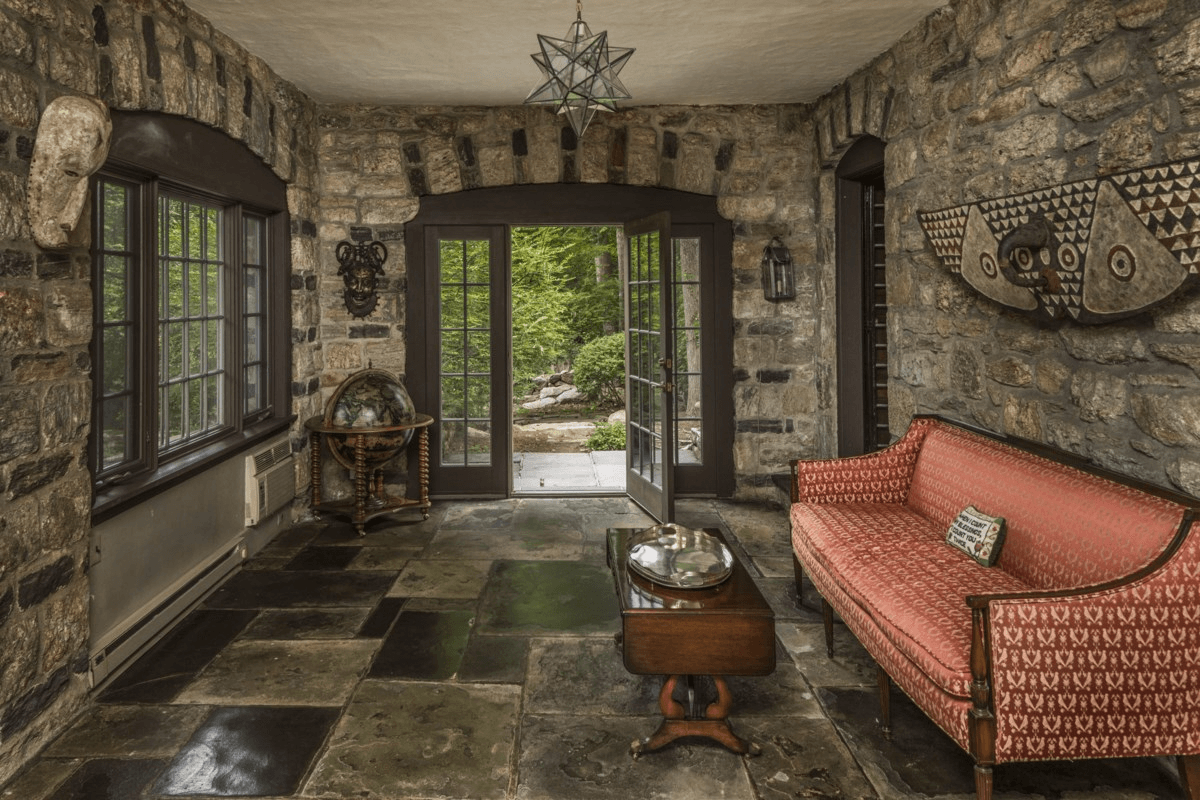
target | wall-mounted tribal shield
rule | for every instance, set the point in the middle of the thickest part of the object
(1093, 251)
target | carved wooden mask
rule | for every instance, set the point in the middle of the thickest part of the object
(1093, 251)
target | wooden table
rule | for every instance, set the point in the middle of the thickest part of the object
(370, 498)
(728, 629)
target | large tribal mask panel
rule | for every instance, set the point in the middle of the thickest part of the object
(1093, 251)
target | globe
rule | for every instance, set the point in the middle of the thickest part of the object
(370, 399)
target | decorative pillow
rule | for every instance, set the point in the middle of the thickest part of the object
(977, 535)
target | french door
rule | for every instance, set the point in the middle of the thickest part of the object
(649, 362)
(469, 311)
(677, 273)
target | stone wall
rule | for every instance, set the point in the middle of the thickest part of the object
(760, 162)
(994, 97)
(133, 55)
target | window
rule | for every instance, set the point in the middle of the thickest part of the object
(190, 339)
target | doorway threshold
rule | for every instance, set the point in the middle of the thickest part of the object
(596, 472)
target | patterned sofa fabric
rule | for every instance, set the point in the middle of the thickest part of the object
(1065, 528)
(896, 566)
(1091, 616)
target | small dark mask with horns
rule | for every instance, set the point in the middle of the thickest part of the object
(361, 264)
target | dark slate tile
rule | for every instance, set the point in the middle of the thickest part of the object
(167, 667)
(424, 645)
(307, 623)
(495, 659)
(248, 751)
(540, 597)
(109, 779)
(380, 621)
(326, 557)
(300, 589)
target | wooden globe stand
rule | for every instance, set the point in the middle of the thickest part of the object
(370, 498)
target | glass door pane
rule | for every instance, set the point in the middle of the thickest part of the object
(649, 407)
(688, 351)
(465, 351)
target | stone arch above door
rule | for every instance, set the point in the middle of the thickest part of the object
(759, 164)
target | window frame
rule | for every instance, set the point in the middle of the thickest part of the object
(199, 164)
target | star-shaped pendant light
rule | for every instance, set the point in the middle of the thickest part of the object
(580, 73)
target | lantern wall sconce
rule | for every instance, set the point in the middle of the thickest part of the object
(778, 271)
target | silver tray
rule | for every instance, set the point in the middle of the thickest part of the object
(672, 555)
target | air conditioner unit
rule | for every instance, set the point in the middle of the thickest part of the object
(270, 480)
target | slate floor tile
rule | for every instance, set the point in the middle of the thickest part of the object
(381, 618)
(450, 579)
(587, 757)
(510, 544)
(587, 676)
(323, 557)
(248, 751)
(547, 597)
(109, 779)
(478, 515)
(400, 739)
(851, 665)
(159, 674)
(385, 558)
(40, 780)
(133, 731)
(307, 623)
(300, 589)
(801, 757)
(494, 659)
(399, 530)
(310, 673)
(424, 645)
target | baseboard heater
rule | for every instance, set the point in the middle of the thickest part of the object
(146, 625)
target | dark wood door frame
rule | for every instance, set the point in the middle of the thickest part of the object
(586, 204)
(862, 164)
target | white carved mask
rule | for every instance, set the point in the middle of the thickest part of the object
(72, 143)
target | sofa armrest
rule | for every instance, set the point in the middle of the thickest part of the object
(880, 477)
(1100, 672)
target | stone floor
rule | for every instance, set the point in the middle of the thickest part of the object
(595, 471)
(472, 656)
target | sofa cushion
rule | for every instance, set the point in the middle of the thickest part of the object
(896, 565)
(1065, 528)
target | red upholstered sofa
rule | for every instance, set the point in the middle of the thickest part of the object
(1083, 641)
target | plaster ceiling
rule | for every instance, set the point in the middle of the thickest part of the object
(476, 52)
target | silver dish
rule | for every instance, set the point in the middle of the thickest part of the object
(672, 555)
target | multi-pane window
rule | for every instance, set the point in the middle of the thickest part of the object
(182, 342)
(254, 264)
(116, 380)
(191, 320)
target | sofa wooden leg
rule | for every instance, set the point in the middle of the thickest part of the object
(885, 702)
(827, 618)
(983, 782)
(1189, 776)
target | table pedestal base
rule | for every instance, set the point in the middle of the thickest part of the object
(677, 723)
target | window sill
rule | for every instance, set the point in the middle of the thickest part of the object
(112, 500)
